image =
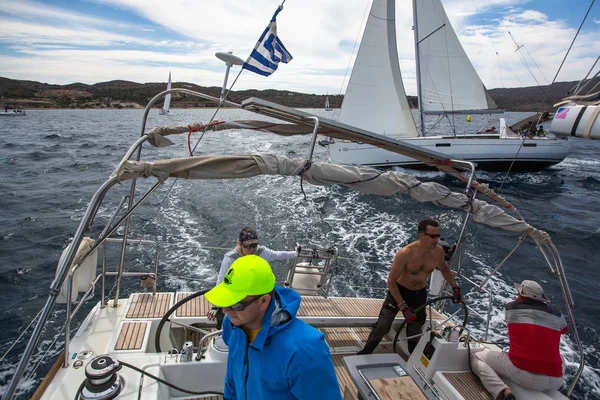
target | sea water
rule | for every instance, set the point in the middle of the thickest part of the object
(53, 161)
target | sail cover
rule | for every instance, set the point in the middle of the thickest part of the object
(448, 81)
(375, 99)
(367, 180)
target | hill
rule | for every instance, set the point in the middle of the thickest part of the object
(125, 94)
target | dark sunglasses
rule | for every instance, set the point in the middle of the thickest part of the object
(250, 246)
(432, 235)
(241, 306)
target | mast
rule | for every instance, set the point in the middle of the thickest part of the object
(418, 66)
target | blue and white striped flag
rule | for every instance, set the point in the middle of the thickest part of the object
(268, 52)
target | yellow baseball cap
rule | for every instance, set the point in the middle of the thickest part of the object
(248, 276)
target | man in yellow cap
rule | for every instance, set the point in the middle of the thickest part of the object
(272, 354)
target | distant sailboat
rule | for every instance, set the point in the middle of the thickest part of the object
(165, 109)
(327, 106)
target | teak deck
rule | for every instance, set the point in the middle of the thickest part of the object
(345, 339)
(131, 336)
(468, 385)
(146, 306)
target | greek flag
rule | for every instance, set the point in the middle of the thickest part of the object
(268, 52)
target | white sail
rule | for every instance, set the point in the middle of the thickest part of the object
(165, 109)
(327, 103)
(371, 102)
(447, 78)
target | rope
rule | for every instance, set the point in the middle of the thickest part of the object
(33, 371)
(307, 166)
(512, 163)
(353, 49)
(198, 129)
(564, 59)
(20, 336)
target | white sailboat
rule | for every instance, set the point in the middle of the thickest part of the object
(167, 104)
(124, 337)
(128, 347)
(375, 99)
(327, 106)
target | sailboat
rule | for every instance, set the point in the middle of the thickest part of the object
(327, 106)
(128, 347)
(448, 84)
(167, 104)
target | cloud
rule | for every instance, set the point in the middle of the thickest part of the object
(142, 41)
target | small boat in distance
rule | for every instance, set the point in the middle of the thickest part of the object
(327, 106)
(165, 108)
(12, 112)
(7, 111)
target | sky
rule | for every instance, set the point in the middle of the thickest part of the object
(91, 41)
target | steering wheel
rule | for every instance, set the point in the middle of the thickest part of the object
(434, 300)
(166, 319)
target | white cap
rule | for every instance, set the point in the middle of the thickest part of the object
(532, 290)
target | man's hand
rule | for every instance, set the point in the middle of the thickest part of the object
(212, 314)
(408, 312)
(456, 296)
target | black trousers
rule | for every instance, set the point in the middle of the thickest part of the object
(389, 310)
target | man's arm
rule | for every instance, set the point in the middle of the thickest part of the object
(446, 272)
(225, 264)
(398, 266)
(448, 275)
(272, 255)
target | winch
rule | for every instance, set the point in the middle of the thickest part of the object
(102, 380)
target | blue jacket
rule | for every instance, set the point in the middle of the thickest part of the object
(288, 359)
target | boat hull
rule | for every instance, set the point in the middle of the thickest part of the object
(491, 153)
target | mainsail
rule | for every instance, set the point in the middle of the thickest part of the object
(448, 81)
(165, 109)
(371, 102)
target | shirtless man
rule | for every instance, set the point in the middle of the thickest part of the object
(407, 285)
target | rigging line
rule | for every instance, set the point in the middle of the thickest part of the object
(453, 124)
(168, 193)
(511, 164)
(354, 48)
(34, 370)
(490, 40)
(511, 71)
(537, 66)
(20, 336)
(565, 58)
(524, 61)
(499, 69)
(577, 89)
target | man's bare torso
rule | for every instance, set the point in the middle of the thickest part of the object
(417, 265)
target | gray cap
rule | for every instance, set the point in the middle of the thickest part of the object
(532, 290)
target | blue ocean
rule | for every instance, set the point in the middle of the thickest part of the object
(53, 161)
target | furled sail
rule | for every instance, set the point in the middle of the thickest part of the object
(375, 98)
(366, 180)
(448, 80)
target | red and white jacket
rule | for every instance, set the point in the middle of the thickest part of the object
(534, 330)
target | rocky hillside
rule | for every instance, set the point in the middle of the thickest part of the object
(124, 94)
